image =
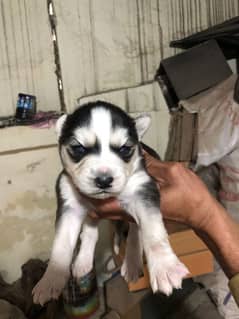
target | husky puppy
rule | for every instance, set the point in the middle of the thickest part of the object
(100, 149)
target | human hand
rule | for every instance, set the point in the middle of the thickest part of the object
(184, 197)
(109, 209)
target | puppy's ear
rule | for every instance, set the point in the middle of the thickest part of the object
(59, 124)
(142, 123)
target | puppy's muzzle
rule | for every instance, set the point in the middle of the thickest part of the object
(103, 180)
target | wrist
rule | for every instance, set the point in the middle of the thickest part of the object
(214, 218)
(205, 213)
(221, 234)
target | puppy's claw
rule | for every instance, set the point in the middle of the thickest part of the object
(50, 286)
(164, 277)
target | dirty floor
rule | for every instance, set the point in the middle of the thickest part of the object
(191, 302)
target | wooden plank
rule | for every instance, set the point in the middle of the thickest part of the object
(26, 55)
(141, 283)
(186, 242)
(199, 263)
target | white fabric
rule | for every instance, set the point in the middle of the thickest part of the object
(218, 138)
(218, 142)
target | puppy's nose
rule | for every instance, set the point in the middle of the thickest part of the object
(103, 180)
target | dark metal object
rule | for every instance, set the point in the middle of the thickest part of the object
(191, 72)
(26, 106)
(226, 34)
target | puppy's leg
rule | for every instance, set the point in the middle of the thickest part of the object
(84, 261)
(58, 270)
(133, 262)
(68, 226)
(165, 270)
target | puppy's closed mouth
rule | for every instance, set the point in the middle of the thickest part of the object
(102, 192)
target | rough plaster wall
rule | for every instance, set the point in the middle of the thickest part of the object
(115, 44)
(27, 209)
(26, 55)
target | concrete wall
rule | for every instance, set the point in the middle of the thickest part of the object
(27, 198)
(26, 55)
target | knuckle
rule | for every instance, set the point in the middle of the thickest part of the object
(175, 168)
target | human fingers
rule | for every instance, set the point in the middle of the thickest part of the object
(109, 205)
(164, 172)
(111, 216)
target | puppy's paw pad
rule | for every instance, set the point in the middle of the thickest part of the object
(50, 286)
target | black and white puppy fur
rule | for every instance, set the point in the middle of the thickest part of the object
(100, 149)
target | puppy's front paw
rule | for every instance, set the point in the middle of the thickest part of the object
(166, 273)
(132, 266)
(82, 265)
(51, 285)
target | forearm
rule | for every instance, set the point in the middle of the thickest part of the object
(221, 234)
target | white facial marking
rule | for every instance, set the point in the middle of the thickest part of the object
(101, 125)
(119, 137)
(85, 136)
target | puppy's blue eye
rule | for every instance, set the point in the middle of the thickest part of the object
(125, 150)
(78, 149)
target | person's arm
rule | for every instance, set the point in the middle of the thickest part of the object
(221, 235)
(185, 198)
